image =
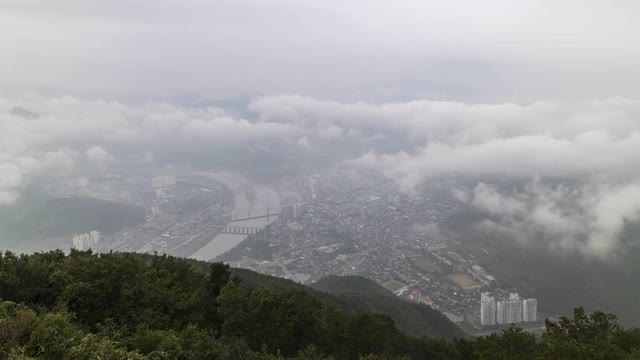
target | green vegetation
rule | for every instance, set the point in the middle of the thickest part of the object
(131, 306)
(351, 285)
(357, 294)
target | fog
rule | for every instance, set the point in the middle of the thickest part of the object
(542, 93)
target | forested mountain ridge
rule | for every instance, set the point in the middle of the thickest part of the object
(350, 284)
(132, 306)
(358, 294)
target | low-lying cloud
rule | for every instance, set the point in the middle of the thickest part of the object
(588, 219)
(595, 144)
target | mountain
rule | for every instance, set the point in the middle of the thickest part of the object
(23, 113)
(118, 306)
(351, 285)
(355, 293)
(358, 294)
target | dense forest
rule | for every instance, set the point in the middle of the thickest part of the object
(132, 306)
(358, 294)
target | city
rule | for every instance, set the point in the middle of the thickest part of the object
(305, 228)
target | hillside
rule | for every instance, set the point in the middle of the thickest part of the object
(351, 284)
(131, 306)
(358, 294)
(354, 293)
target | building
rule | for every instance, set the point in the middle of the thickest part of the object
(509, 311)
(161, 181)
(501, 313)
(154, 210)
(518, 307)
(487, 309)
(293, 210)
(530, 310)
(418, 297)
(86, 241)
(506, 313)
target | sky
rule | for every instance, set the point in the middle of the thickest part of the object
(415, 90)
(491, 50)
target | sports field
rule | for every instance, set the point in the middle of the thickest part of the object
(463, 280)
(393, 285)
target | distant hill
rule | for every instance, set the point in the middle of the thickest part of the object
(358, 294)
(24, 113)
(42, 216)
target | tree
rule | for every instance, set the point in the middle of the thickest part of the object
(512, 343)
(53, 336)
(583, 337)
(219, 276)
(16, 324)
(94, 347)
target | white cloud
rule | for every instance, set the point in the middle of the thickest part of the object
(304, 142)
(576, 140)
(67, 126)
(587, 220)
(594, 142)
(330, 132)
(99, 156)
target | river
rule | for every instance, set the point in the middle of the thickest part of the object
(250, 200)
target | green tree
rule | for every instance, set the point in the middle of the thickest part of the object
(93, 347)
(583, 337)
(53, 336)
(16, 324)
(219, 276)
(512, 343)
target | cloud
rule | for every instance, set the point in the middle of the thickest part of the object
(10, 181)
(304, 142)
(221, 48)
(99, 156)
(588, 220)
(574, 140)
(100, 130)
(329, 133)
(410, 142)
(594, 144)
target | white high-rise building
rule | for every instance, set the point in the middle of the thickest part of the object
(509, 311)
(86, 241)
(512, 311)
(530, 310)
(161, 181)
(95, 237)
(517, 312)
(487, 309)
(501, 315)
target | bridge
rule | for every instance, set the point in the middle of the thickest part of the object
(239, 230)
(235, 217)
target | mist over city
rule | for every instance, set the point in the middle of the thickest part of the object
(476, 158)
